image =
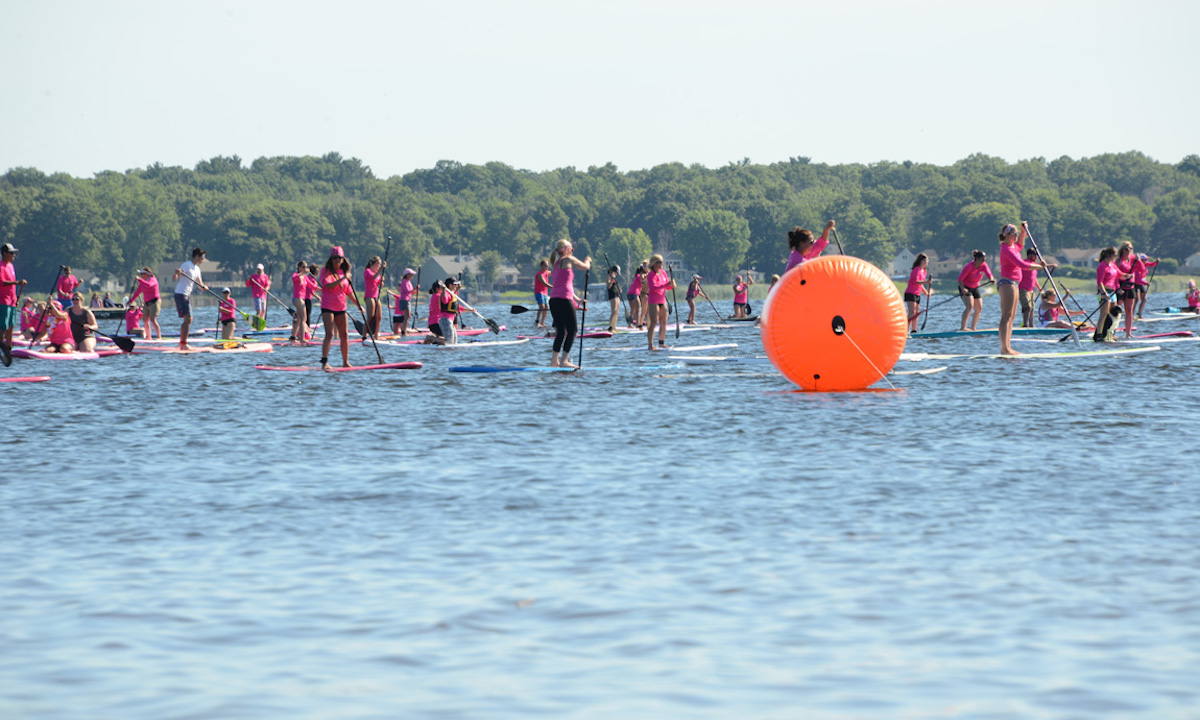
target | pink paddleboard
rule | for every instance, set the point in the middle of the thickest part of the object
(306, 368)
(33, 378)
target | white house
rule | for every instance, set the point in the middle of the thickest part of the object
(1193, 261)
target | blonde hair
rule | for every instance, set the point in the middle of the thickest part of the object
(559, 251)
(656, 258)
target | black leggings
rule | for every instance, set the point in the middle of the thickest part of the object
(565, 325)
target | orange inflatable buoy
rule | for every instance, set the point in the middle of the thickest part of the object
(834, 323)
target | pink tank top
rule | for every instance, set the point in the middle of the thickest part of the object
(562, 281)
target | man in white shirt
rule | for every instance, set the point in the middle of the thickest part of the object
(188, 276)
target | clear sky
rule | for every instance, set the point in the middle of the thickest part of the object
(113, 85)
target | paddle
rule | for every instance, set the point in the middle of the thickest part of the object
(1149, 280)
(710, 303)
(387, 250)
(518, 309)
(291, 310)
(492, 324)
(416, 299)
(126, 344)
(583, 316)
(255, 321)
(837, 240)
(1050, 277)
(49, 299)
(364, 317)
(124, 315)
(928, 300)
(674, 300)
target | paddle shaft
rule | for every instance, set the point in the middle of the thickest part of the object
(220, 300)
(291, 310)
(674, 300)
(710, 302)
(1050, 277)
(416, 301)
(364, 317)
(838, 240)
(583, 315)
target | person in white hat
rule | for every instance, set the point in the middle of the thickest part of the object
(259, 283)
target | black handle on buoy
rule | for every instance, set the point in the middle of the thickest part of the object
(839, 325)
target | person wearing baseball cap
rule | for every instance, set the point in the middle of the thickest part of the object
(259, 283)
(693, 292)
(336, 290)
(404, 298)
(8, 300)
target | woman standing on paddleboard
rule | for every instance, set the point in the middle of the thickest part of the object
(372, 282)
(968, 288)
(403, 295)
(563, 300)
(335, 289)
(634, 295)
(300, 280)
(1126, 293)
(741, 296)
(1108, 280)
(1141, 280)
(147, 289)
(803, 247)
(1012, 271)
(694, 292)
(657, 282)
(918, 285)
(434, 317)
(613, 291)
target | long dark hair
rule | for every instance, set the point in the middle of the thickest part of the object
(798, 235)
(919, 258)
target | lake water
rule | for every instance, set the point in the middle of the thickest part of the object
(187, 537)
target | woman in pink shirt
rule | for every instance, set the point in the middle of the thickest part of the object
(918, 285)
(300, 286)
(1029, 289)
(803, 247)
(1108, 281)
(1012, 272)
(741, 296)
(563, 300)
(335, 289)
(1141, 280)
(1126, 292)
(373, 277)
(1192, 297)
(634, 296)
(60, 339)
(968, 288)
(225, 310)
(133, 319)
(658, 283)
(404, 296)
(259, 283)
(147, 290)
(66, 285)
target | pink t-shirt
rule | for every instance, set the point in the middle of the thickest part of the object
(562, 281)
(635, 286)
(658, 283)
(739, 292)
(66, 286)
(1012, 265)
(299, 285)
(1193, 299)
(1029, 281)
(133, 319)
(147, 289)
(333, 297)
(971, 275)
(435, 308)
(258, 283)
(1141, 274)
(8, 293)
(798, 258)
(406, 289)
(371, 283)
(313, 287)
(60, 330)
(29, 319)
(1107, 274)
(225, 309)
(915, 280)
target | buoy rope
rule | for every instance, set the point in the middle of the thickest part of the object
(860, 352)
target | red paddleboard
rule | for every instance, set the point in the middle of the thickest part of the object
(1182, 333)
(306, 368)
(34, 378)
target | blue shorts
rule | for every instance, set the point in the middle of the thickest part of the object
(543, 299)
(8, 315)
(183, 305)
(260, 306)
(1005, 281)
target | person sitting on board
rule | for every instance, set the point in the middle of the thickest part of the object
(451, 306)
(918, 285)
(803, 247)
(541, 293)
(741, 292)
(29, 318)
(82, 323)
(225, 314)
(968, 288)
(59, 339)
(403, 295)
(259, 283)
(1193, 298)
(1051, 311)
(1141, 280)
(38, 326)
(133, 318)
(434, 317)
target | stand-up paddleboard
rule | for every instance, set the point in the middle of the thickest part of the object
(918, 357)
(674, 348)
(1070, 354)
(30, 379)
(988, 332)
(479, 344)
(331, 368)
(602, 334)
(172, 334)
(219, 350)
(506, 369)
(1176, 311)
(28, 354)
(1169, 318)
(923, 371)
(1120, 341)
(719, 360)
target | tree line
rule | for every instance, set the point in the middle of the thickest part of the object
(282, 209)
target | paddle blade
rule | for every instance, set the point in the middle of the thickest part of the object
(5, 357)
(518, 309)
(291, 311)
(492, 325)
(359, 327)
(124, 343)
(258, 323)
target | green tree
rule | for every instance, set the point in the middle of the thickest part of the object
(626, 248)
(489, 267)
(715, 241)
(1176, 231)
